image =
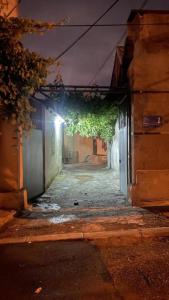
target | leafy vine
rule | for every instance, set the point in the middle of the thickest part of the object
(21, 71)
(89, 114)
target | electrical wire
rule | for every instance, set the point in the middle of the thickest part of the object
(87, 30)
(11, 11)
(107, 58)
(112, 25)
(143, 4)
(92, 81)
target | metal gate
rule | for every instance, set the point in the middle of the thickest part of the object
(123, 158)
(33, 163)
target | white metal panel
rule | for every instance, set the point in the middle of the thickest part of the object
(123, 159)
(33, 163)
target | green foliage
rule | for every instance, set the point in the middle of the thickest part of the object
(90, 115)
(21, 71)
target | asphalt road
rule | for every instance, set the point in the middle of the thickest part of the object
(103, 269)
(54, 270)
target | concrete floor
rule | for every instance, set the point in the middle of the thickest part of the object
(101, 211)
(80, 186)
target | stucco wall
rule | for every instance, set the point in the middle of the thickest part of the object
(6, 6)
(12, 194)
(9, 177)
(148, 73)
(101, 150)
(84, 146)
(77, 148)
(53, 147)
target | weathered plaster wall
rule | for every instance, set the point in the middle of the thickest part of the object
(101, 150)
(150, 146)
(53, 147)
(6, 6)
(84, 146)
(79, 149)
(12, 194)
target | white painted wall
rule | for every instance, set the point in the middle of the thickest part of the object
(115, 150)
(53, 147)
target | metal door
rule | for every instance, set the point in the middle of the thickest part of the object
(123, 157)
(33, 163)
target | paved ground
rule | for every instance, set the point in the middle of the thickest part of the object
(85, 186)
(64, 270)
(101, 210)
(139, 269)
(104, 269)
(122, 222)
(125, 266)
(81, 191)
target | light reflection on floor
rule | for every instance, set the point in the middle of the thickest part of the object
(62, 219)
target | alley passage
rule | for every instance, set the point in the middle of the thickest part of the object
(81, 187)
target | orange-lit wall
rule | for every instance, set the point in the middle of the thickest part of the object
(12, 194)
(148, 71)
(6, 6)
(79, 149)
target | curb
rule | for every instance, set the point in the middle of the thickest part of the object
(141, 233)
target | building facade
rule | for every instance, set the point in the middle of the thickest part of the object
(146, 61)
(28, 161)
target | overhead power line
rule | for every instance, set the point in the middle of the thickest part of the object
(106, 25)
(112, 25)
(107, 58)
(113, 50)
(11, 11)
(87, 30)
(143, 4)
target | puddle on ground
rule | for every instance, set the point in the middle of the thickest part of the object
(62, 219)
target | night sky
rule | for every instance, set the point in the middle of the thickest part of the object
(80, 64)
